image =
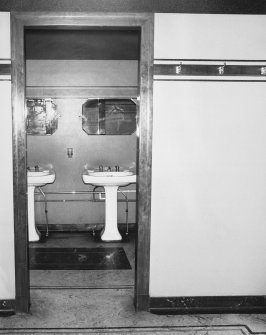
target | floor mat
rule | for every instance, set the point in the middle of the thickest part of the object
(78, 259)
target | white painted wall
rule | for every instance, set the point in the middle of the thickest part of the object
(209, 167)
(7, 263)
(7, 267)
(82, 73)
(5, 35)
(208, 36)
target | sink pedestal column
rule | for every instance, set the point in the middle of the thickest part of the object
(110, 231)
(33, 233)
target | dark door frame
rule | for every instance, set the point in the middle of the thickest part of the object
(143, 21)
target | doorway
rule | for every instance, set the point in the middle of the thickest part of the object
(144, 23)
(81, 99)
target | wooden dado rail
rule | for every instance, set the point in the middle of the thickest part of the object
(251, 70)
(5, 69)
(219, 69)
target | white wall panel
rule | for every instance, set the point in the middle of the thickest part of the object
(4, 35)
(209, 36)
(82, 73)
(7, 267)
(7, 261)
(208, 189)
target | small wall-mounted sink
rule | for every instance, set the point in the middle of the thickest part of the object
(109, 178)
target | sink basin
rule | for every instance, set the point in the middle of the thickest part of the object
(40, 178)
(106, 178)
(110, 174)
(38, 173)
(110, 181)
(36, 178)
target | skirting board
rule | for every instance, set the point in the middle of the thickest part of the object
(7, 307)
(80, 227)
(209, 305)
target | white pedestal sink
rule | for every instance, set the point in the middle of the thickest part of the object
(35, 178)
(110, 181)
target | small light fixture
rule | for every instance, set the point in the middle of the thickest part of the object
(69, 152)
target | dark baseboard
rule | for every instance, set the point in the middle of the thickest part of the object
(7, 307)
(209, 305)
(87, 227)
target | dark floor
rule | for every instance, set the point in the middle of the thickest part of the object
(100, 277)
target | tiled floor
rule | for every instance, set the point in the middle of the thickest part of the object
(102, 302)
(111, 311)
(84, 278)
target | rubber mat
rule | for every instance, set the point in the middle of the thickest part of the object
(78, 259)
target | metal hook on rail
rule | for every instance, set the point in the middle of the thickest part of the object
(178, 68)
(221, 69)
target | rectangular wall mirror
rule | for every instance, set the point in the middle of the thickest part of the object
(109, 116)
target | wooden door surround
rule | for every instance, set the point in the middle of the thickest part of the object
(142, 21)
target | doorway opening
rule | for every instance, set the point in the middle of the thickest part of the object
(43, 99)
(82, 95)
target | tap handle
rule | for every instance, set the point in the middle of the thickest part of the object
(117, 168)
(100, 168)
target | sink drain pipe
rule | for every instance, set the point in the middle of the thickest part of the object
(45, 210)
(126, 208)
